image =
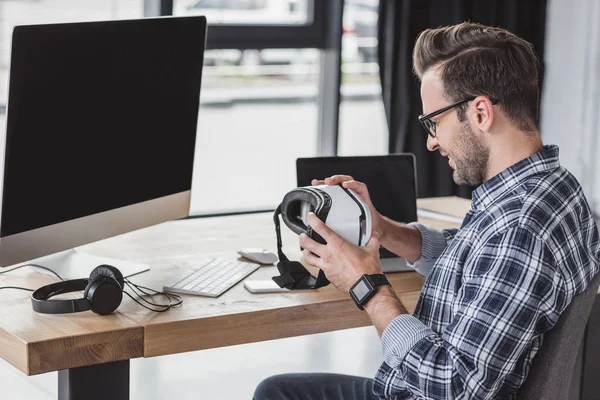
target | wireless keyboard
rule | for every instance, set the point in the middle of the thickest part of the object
(212, 277)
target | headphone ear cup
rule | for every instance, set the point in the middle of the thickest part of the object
(104, 271)
(117, 275)
(104, 289)
(108, 271)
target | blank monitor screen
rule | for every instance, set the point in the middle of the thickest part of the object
(100, 116)
(390, 180)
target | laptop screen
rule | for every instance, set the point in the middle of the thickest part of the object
(390, 179)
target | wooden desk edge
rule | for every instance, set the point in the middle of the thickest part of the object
(256, 326)
(14, 351)
(78, 351)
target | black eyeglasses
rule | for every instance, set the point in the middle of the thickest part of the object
(429, 125)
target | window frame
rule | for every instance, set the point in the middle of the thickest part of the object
(323, 31)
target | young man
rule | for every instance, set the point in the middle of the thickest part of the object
(528, 245)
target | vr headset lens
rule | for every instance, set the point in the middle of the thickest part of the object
(305, 208)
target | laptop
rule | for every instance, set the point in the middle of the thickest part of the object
(392, 184)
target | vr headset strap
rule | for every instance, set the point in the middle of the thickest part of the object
(293, 274)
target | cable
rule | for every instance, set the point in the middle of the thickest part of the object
(166, 307)
(16, 287)
(132, 287)
(169, 296)
(148, 308)
(23, 266)
(32, 265)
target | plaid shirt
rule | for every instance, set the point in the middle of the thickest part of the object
(528, 245)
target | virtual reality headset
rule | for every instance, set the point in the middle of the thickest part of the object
(341, 209)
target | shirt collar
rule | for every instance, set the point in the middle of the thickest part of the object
(492, 189)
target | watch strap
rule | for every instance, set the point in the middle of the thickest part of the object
(378, 280)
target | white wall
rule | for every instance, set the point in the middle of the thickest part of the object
(570, 104)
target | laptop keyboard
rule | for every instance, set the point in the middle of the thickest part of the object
(211, 277)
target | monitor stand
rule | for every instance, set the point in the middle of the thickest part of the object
(73, 264)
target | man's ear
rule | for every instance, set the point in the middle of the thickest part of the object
(483, 113)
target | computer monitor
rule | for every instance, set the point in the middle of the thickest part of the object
(100, 136)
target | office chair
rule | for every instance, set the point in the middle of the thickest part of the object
(551, 369)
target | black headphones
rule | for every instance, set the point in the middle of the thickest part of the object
(102, 293)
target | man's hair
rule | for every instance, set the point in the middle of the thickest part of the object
(481, 60)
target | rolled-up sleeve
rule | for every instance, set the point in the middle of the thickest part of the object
(411, 330)
(433, 243)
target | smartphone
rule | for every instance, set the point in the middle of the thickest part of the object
(265, 286)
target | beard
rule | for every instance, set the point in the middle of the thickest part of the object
(471, 158)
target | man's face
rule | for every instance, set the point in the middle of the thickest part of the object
(467, 153)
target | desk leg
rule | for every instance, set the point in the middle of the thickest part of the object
(95, 382)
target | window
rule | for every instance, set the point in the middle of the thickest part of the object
(246, 12)
(258, 113)
(259, 99)
(363, 128)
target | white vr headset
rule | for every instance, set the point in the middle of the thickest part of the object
(341, 209)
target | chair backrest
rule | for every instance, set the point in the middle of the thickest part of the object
(550, 373)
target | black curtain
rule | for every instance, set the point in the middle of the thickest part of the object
(400, 22)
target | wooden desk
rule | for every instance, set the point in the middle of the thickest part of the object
(37, 343)
(238, 316)
(88, 348)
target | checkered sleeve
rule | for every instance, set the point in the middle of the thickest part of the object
(511, 298)
(433, 243)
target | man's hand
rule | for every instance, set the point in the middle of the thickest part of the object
(342, 262)
(361, 189)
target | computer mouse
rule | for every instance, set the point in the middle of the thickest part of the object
(260, 256)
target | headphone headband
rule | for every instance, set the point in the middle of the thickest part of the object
(41, 304)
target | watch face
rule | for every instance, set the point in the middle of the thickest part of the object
(361, 290)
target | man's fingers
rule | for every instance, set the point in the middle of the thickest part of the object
(319, 226)
(373, 244)
(359, 187)
(317, 182)
(354, 185)
(338, 179)
(311, 259)
(311, 245)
